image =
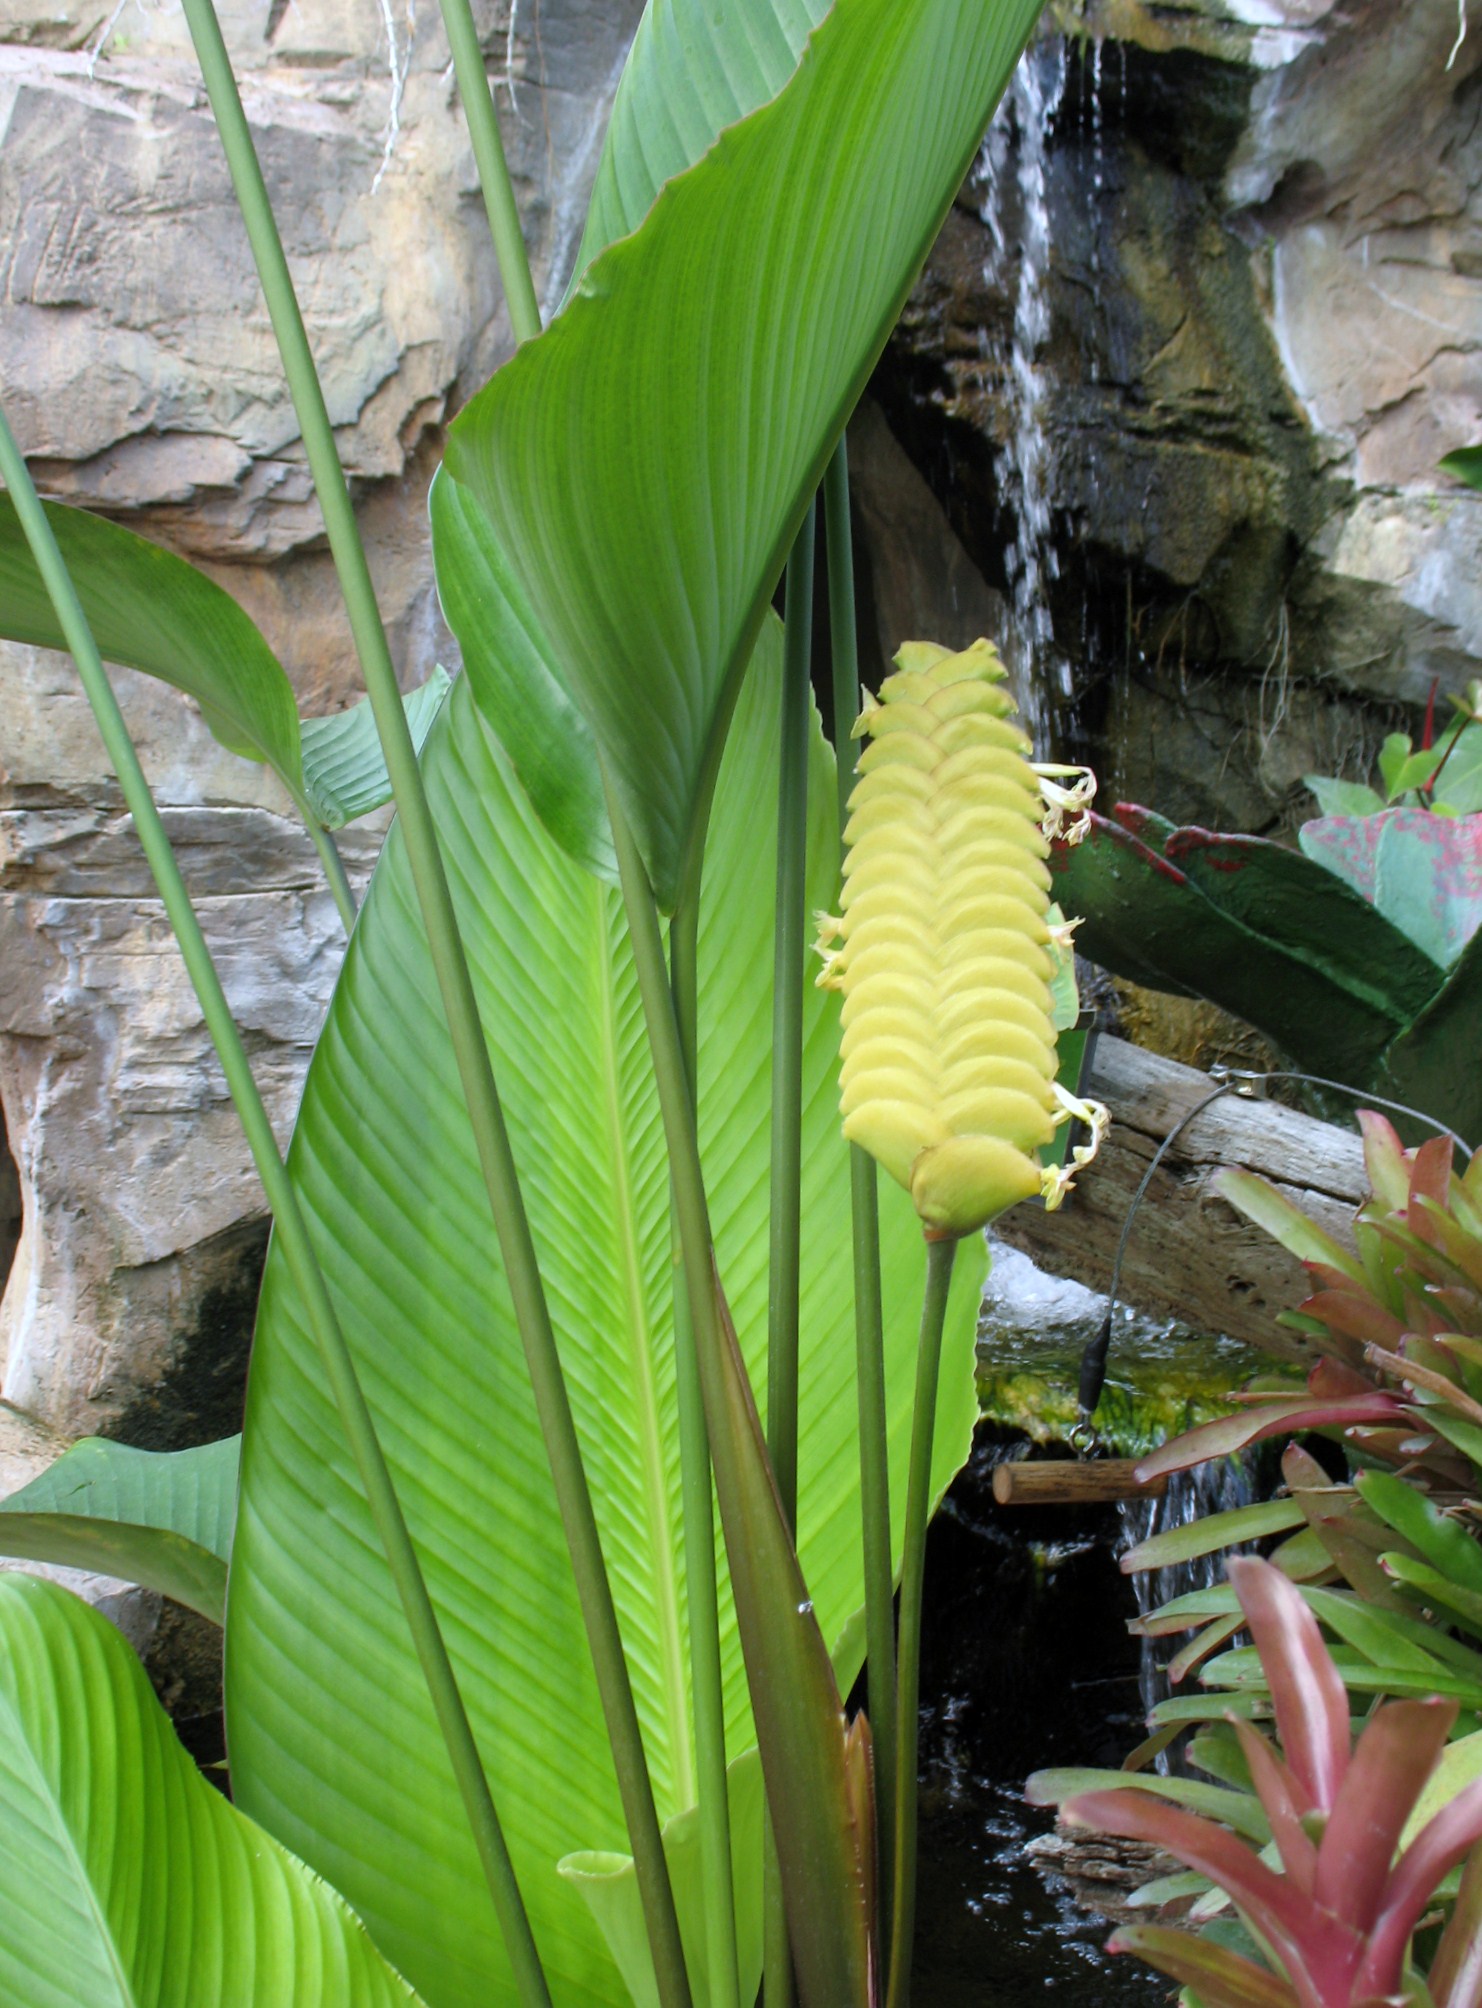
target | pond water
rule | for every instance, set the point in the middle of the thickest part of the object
(1026, 1662)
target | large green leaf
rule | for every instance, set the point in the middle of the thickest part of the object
(1146, 919)
(645, 462)
(516, 677)
(150, 610)
(162, 1518)
(691, 72)
(333, 1745)
(344, 768)
(125, 1879)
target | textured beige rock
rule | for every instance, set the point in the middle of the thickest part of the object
(139, 1202)
(141, 375)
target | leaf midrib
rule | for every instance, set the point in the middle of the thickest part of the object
(19, 1744)
(663, 1535)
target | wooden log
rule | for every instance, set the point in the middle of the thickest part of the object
(1190, 1256)
(1066, 1481)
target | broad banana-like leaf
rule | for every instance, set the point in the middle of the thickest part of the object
(1432, 1065)
(162, 1518)
(151, 610)
(344, 767)
(645, 462)
(126, 1881)
(517, 678)
(333, 1743)
(691, 71)
(609, 1885)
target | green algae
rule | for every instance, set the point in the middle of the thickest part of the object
(1161, 1380)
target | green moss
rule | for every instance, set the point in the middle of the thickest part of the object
(1159, 1382)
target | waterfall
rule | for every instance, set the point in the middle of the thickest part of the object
(1012, 173)
(1192, 1495)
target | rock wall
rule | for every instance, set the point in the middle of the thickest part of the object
(142, 380)
(1164, 411)
(1204, 320)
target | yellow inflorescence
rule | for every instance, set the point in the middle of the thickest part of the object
(948, 1050)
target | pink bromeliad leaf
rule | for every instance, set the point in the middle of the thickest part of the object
(1229, 1433)
(1309, 1697)
(1436, 1849)
(1455, 1978)
(1394, 1756)
(1221, 1979)
(1273, 1904)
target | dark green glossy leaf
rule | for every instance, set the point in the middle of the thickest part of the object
(1464, 463)
(1291, 899)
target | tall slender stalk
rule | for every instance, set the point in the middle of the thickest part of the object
(334, 870)
(869, 1333)
(785, 1191)
(793, 1693)
(290, 1226)
(939, 1259)
(788, 945)
(708, 1694)
(488, 153)
(455, 986)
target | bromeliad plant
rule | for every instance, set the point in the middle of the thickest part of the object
(1387, 1562)
(567, 1183)
(1356, 1853)
(1391, 1552)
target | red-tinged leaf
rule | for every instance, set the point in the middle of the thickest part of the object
(1275, 1906)
(1434, 1852)
(1330, 1380)
(1220, 1978)
(1430, 1171)
(1394, 1756)
(1279, 1792)
(1307, 1694)
(1384, 1159)
(1349, 1315)
(1239, 1811)
(1284, 1222)
(1200, 1647)
(1410, 1370)
(812, 1783)
(1228, 1433)
(1302, 1473)
(1455, 1978)
(1430, 1219)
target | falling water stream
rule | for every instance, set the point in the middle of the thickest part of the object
(1014, 206)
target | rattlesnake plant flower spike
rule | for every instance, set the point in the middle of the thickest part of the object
(942, 953)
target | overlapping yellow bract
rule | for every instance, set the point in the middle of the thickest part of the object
(948, 1049)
